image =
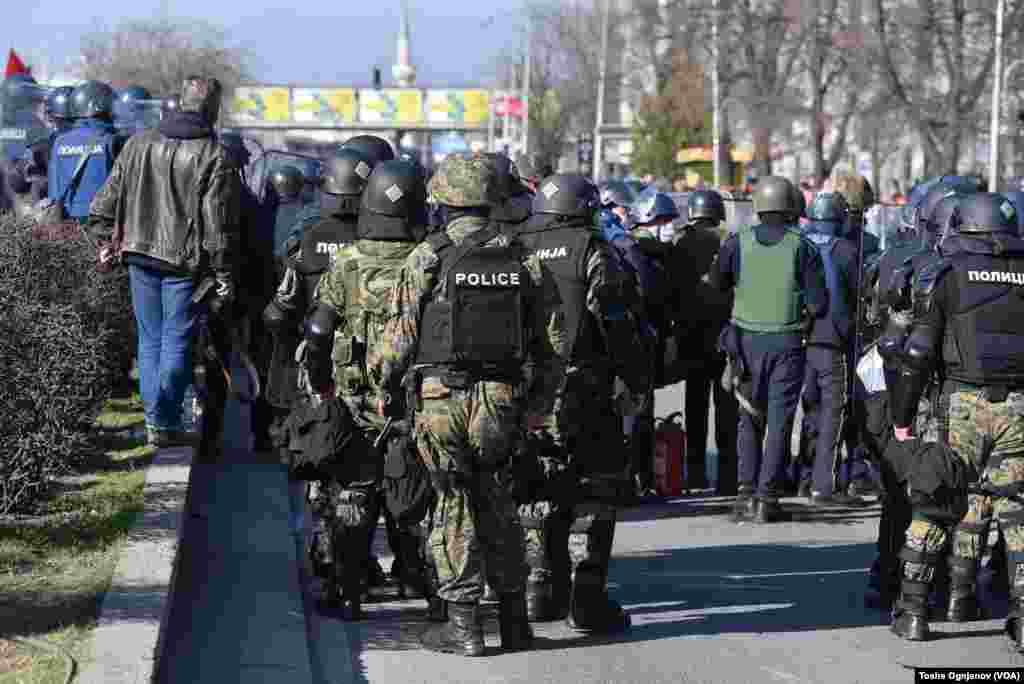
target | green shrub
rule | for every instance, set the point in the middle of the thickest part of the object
(66, 337)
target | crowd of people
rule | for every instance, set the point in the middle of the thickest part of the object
(473, 353)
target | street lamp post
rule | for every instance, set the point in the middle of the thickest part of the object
(997, 92)
(601, 84)
(716, 125)
(526, 90)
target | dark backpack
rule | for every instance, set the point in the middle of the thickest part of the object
(837, 282)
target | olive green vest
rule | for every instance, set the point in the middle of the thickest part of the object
(767, 296)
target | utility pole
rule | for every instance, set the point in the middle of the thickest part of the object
(526, 89)
(601, 85)
(716, 125)
(997, 93)
(492, 110)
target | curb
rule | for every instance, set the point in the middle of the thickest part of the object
(126, 641)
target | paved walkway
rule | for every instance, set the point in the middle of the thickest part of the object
(238, 614)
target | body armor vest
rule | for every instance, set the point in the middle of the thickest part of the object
(983, 338)
(324, 239)
(564, 251)
(767, 297)
(474, 320)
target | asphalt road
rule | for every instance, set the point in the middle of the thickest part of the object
(711, 601)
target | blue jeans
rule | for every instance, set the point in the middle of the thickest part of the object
(165, 318)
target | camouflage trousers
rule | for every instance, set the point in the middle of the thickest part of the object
(566, 534)
(466, 437)
(989, 437)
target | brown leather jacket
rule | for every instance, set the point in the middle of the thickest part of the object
(176, 199)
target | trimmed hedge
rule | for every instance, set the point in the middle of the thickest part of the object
(66, 341)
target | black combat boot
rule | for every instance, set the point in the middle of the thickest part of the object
(910, 616)
(412, 573)
(463, 634)
(745, 506)
(591, 611)
(513, 625)
(768, 510)
(883, 585)
(963, 598)
(539, 601)
(1015, 619)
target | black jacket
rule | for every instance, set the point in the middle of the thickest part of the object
(176, 193)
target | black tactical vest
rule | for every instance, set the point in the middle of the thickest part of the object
(564, 251)
(324, 239)
(475, 318)
(984, 339)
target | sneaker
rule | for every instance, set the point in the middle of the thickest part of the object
(162, 439)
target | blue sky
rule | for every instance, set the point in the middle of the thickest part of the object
(316, 41)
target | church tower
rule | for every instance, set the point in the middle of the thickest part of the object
(403, 71)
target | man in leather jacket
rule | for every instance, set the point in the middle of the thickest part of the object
(171, 206)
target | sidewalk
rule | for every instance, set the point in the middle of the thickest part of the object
(238, 613)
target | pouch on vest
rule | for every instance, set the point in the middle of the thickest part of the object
(478, 319)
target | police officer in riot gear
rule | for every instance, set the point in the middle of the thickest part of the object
(471, 308)
(575, 508)
(697, 341)
(350, 311)
(28, 175)
(285, 186)
(826, 391)
(372, 147)
(516, 201)
(306, 260)
(967, 328)
(134, 110)
(777, 278)
(83, 156)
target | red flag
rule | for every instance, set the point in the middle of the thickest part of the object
(15, 65)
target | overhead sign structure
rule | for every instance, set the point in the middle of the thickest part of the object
(325, 106)
(261, 105)
(457, 106)
(392, 106)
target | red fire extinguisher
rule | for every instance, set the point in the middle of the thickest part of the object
(669, 447)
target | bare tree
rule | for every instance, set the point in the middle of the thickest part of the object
(936, 58)
(159, 54)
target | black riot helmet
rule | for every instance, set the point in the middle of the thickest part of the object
(705, 204)
(987, 213)
(373, 148)
(946, 218)
(133, 95)
(929, 231)
(58, 104)
(394, 202)
(1017, 197)
(828, 206)
(93, 99)
(566, 194)
(170, 104)
(509, 183)
(287, 182)
(345, 172)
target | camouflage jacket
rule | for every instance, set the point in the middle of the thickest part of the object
(358, 287)
(415, 285)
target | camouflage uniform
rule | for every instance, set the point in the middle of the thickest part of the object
(479, 427)
(570, 525)
(357, 288)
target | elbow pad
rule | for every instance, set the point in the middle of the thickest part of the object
(320, 327)
(919, 351)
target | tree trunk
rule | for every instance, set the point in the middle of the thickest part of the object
(762, 151)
